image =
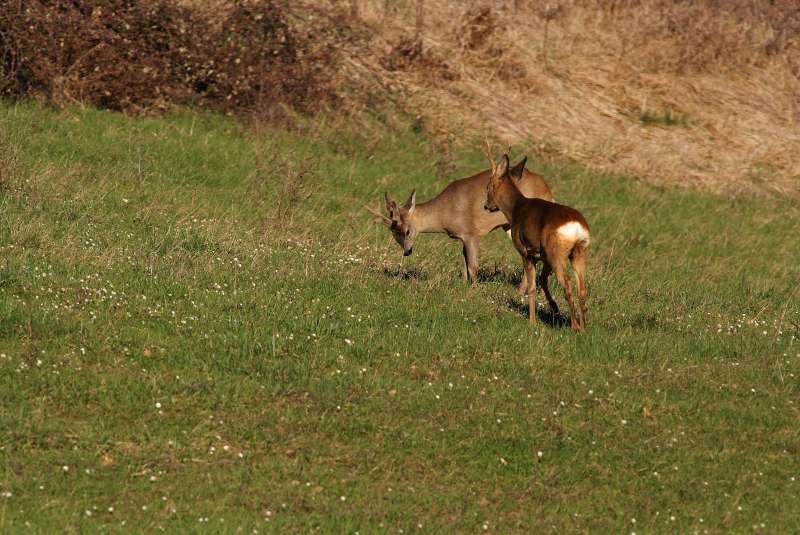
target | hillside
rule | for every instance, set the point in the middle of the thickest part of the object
(201, 330)
(701, 94)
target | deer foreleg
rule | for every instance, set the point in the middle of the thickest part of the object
(530, 276)
(471, 246)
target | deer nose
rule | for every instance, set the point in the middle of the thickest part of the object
(408, 252)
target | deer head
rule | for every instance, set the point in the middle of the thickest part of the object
(401, 221)
(500, 172)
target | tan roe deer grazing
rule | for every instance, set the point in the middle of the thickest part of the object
(542, 230)
(458, 211)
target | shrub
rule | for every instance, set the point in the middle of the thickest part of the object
(144, 55)
(258, 58)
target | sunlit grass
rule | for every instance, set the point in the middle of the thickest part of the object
(201, 329)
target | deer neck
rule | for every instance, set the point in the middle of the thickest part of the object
(506, 198)
(427, 218)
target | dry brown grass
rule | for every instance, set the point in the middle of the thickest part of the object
(693, 95)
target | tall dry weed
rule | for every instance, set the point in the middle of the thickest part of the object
(9, 162)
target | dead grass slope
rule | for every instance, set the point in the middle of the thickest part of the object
(698, 94)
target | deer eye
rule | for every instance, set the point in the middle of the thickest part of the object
(408, 232)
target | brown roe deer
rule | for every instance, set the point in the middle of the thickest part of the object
(458, 212)
(542, 230)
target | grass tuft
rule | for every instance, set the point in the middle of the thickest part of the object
(664, 119)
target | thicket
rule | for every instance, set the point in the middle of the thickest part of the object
(139, 56)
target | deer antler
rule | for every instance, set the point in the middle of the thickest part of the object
(487, 150)
(379, 217)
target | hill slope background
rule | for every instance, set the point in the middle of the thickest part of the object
(688, 93)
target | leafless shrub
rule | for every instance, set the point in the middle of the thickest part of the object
(258, 58)
(113, 55)
(144, 55)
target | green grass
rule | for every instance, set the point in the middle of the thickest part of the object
(201, 329)
(663, 119)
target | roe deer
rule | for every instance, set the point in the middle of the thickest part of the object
(542, 230)
(458, 212)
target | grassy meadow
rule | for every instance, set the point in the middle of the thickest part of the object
(201, 330)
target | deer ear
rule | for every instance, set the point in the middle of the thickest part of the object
(411, 203)
(517, 171)
(502, 167)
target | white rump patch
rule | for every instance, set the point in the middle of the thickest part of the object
(574, 232)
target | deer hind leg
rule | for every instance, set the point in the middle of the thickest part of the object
(579, 255)
(560, 267)
(544, 280)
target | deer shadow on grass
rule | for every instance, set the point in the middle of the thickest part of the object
(544, 315)
(498, 275)
(404, 274)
